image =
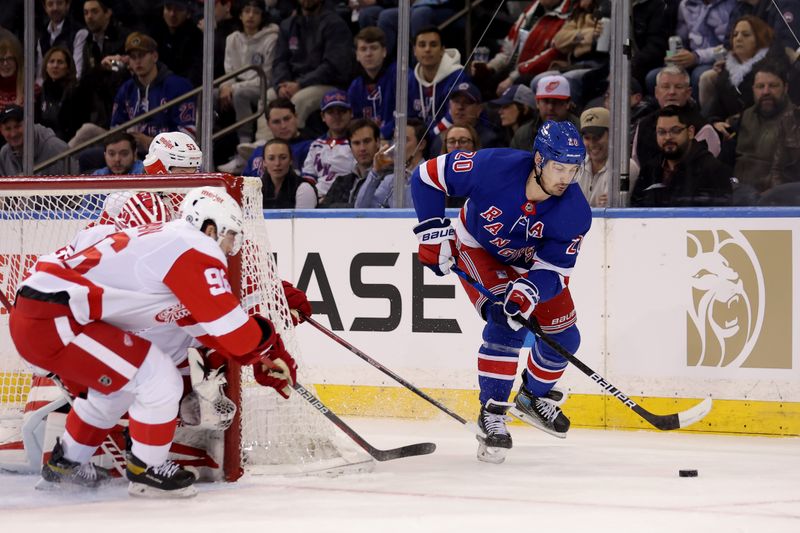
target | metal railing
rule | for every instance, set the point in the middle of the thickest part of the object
(185, 96)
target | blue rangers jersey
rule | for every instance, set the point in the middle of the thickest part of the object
(541, 239)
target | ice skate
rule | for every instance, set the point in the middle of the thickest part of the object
(167, 480)
(492, 447)
(60, 470)
(542, 412)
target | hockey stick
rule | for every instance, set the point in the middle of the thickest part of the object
(423, 448)
(473, 428)
(662, 422)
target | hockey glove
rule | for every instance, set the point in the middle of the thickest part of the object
(437, 244)
(276, 369)
(298, 302)
(519, 302)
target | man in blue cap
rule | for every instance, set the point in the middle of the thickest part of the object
(330, 156)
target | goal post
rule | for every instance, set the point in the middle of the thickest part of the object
(269, 434)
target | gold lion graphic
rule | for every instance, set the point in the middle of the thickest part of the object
(727, 308)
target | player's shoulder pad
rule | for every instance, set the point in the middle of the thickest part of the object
(191, 237)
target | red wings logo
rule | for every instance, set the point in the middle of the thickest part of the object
(172, 314)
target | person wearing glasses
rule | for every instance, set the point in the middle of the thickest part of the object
(673, 88)
(684, 173)
(463, 138)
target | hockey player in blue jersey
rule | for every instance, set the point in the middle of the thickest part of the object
(519, 234)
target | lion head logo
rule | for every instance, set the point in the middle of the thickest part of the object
(726, 313)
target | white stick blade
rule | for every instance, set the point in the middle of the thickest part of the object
(695, 414)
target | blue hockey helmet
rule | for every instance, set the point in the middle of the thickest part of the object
(561, 142)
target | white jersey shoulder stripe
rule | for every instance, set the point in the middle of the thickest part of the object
(432, 173)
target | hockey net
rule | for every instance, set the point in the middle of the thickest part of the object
(270, 435)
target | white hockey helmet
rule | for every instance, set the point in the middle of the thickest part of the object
(216, 205)
(140, 209)
(172, 149)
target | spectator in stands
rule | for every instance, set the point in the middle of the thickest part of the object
(786, 160)
(103, 68)
(552, 103)
(12, 66)
(368, 11)
(728, 89)
(45, 146)
(180, 41)
(702, 27)
(438, 69)
(329, 156)
(528, 48)
(593, 176)
(61, 104)
(577, 40)
(254, 45)
(372, 92)
(424, 14)
(650, 32)
(378, 188)
(673, 88)
(759, 129)
(120, 156)
(516, 108)
(60, 29)
(464, 109)
(781, 16)
(314, 55)
(364, 136)
(224, 24)
(683, 173)
(281, 187)
(152, 85)
(282, 122)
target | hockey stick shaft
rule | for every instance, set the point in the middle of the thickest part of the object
(385, 370)
(423, 448)
(662, 422)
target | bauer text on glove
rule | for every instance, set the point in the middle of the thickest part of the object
(437, 244)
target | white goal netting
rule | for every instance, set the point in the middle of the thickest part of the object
(278, 436)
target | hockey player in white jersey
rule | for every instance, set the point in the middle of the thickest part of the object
(73, 316)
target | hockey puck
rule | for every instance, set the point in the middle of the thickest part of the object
(687, 473)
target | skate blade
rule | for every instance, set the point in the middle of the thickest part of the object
(140, 490)
(65, 486)
(491, 454)
(533, 421)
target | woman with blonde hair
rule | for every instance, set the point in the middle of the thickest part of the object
(12, 65)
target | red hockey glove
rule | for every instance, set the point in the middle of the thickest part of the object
(297, 302)
(437, 244)
(520, 301)
(276, 369)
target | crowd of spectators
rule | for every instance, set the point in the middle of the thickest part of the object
(714, 91)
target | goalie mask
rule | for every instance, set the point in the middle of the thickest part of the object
(171, 150)
(215, 205)
(140, 209)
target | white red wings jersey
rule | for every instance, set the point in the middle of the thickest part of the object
(153, 276)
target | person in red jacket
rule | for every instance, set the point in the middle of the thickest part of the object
(528, 48)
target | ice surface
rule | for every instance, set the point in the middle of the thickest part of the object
(592, 481)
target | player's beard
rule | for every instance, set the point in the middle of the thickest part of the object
(770, 107)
